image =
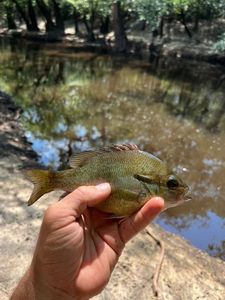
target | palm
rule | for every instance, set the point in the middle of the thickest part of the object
(84, 252)
(101, 246)
(78, 257)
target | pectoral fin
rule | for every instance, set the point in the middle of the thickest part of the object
(150, 179)
(149, 183)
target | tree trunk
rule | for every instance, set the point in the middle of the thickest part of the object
(143, 25)
(32, 16)
(9, 15)
(23, 14)
(196, 21)
(45, 11)
(183, 21)
(89, 28)
(76, 22)
(92, 21)
(104, 28)
(119, 32)
(58, 17)
(161, 27)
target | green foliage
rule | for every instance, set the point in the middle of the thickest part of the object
(219, 46)
(153, 10)
(88, 7)
(150, 10)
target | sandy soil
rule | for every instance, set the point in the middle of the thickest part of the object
(19, 225)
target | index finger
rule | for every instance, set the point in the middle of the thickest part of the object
(130, 226)
(85, 196)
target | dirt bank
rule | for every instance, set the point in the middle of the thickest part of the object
(187, 273)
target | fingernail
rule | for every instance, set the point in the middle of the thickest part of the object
(103, 186)
(158, 198)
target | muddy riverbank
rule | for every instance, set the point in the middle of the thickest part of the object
(187, 272)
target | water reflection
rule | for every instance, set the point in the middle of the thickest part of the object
(55, 153)
(74, 101)
(49, 151)
(197, 229)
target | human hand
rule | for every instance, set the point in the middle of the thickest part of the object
(78, 247)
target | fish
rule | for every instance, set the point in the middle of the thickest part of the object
(134, 175)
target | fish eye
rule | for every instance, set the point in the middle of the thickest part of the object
(172, 182)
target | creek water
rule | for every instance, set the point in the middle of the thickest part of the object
(175, 109)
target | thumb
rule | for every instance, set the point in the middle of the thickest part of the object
(130, 226)
(85, 196)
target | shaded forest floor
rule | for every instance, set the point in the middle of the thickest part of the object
(187, 273)
(175, 41)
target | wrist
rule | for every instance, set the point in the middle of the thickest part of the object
(43, 291)
(24, 289)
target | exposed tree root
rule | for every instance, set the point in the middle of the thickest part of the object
(155, 279)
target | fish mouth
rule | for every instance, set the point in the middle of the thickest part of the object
(187, 196)
(182, 199)
(173, 204)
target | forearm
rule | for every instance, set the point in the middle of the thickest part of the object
(29, 289)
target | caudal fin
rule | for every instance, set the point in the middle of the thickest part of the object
(42, 183)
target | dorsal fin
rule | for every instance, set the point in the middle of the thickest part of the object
(80, 159)
(119, 147)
